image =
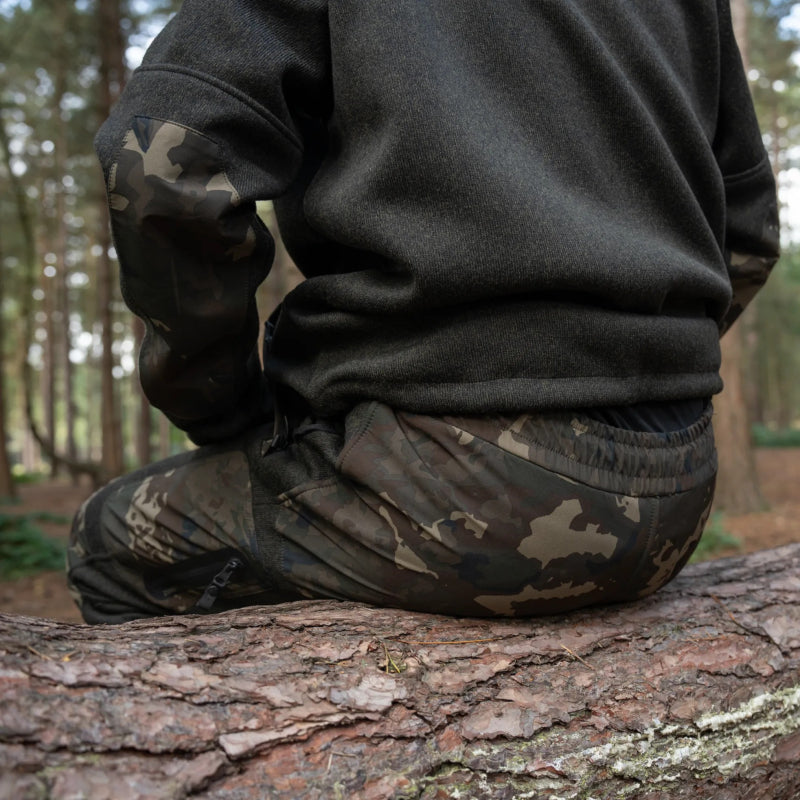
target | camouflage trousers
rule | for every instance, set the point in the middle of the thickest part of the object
(523, 515)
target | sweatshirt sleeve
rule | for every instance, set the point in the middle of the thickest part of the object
(211, 122)
(752, 235)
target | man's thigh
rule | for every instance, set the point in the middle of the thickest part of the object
(533, 514)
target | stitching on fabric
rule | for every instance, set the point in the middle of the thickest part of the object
(263, 112)
(540, 378)
(295, 492)
(748, 173)
(651, 532)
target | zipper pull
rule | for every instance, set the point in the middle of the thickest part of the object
(218, 583)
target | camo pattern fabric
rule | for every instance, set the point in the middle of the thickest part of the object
(193, 254)
(151, 542)
(748, 274)
(467, 516)
(526, 515)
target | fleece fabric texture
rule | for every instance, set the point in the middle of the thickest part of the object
(496, 206)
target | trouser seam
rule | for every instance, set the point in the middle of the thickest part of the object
(649, 540)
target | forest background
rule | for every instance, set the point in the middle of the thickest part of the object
(71, 411)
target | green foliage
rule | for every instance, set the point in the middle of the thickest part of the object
(715, 540)
(764, 436)
(776, 345)
(24, 548)
(771, 47)
(22, 477)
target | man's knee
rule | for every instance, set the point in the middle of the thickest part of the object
(154, 541)
(92, 576)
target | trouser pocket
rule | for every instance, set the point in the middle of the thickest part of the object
(216, 579)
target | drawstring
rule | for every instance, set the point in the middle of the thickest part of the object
(218, 583)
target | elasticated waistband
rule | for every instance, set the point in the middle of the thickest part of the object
(635, 463)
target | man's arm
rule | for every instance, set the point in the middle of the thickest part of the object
(748, 273)
(191, 257)
(207, 126)
(752, 235)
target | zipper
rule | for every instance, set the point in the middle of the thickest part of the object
(218, 583)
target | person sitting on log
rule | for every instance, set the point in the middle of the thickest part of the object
(523, 228)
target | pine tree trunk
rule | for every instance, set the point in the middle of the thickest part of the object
(8, 488)
(164, 440)
(144, 429)
(112, 75)
(693, 693)
(738, 489)
(49, 384)
(61, 237)
(113, 463)
(58, 368)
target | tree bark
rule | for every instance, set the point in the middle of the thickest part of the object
(693, 693)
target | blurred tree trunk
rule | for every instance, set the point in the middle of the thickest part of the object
(7, 486)
(144, 428)
(49, 289)
(164, 439)
(40, 45)
(112, 75)
(113, 463)
(738, 489)
(61, 286)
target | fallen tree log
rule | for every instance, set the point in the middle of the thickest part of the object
(692, 693)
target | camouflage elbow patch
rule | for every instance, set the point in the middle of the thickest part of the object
(167, 170)
(179, 228)
(748, 273)
(191, 255)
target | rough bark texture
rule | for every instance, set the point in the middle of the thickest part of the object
(693, 693)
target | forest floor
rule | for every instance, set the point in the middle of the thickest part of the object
(46, 594)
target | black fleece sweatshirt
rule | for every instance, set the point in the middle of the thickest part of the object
(497, 206)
